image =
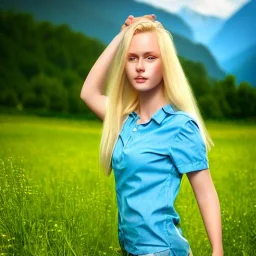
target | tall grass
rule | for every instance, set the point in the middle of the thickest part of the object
(54, 200)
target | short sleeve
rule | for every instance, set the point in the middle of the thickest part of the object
(188, 150)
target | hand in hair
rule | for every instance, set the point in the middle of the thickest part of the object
(131, 19)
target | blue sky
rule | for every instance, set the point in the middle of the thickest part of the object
(219, 8)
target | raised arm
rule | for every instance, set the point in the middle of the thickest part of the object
(92, 92)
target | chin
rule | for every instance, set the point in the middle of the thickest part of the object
(142, 89)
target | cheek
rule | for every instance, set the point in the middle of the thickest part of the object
(159, 68)
(128, 71)
(158, 71)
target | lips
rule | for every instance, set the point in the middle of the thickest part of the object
(140, 79)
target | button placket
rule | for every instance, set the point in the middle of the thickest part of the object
(134, 130)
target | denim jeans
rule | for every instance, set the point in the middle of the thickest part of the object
(162, 253)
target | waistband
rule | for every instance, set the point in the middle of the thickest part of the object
(162, 253)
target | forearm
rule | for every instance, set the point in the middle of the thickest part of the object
(209, 206)
(210, 210)
(96, 79)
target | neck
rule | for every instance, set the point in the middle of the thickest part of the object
(150, 102)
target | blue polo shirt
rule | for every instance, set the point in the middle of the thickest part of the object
(148, 162)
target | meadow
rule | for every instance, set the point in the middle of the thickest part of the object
(54, 200)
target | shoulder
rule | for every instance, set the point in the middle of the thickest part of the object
(184, 117)
(178, 119)
(182, 126)
(188, 131)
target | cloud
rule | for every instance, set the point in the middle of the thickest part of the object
(220, 8)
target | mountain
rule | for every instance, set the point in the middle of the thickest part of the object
(198, 53)
(243, 65)
(246, 71)
(109, 15)
(204, 27)
(236, 35)
(103, 19)
(235, 62)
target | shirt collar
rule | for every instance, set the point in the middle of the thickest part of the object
(160, 115)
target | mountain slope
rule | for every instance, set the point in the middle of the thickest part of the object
(237, 34)
(199, 53)
(247, 70)
(109, 15)
(103, 19)
(236, 61)
(244, 66)
(204, 27)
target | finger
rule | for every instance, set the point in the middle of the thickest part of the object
(128, 21)
(131, 18)
(150, 16)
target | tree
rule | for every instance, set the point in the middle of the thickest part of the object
(197, 77)
(209, 107)
(247, 100)
(49, 93)
(9, 98)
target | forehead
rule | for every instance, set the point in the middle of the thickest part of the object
(144, 42)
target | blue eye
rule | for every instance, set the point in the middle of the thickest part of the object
(131, 58)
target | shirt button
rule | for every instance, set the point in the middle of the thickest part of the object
(135, 129)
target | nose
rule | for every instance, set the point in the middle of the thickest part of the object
(140, 66)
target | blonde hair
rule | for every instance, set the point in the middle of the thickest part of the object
(123, 98)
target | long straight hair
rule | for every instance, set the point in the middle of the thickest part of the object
(123, 98)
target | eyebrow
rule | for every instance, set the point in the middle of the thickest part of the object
(144, 53)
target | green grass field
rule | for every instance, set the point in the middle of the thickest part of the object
(54, 201)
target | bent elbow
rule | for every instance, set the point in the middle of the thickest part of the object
(82, 95)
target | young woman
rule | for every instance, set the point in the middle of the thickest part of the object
(152, 134)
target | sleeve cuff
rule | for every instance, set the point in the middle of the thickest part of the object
(197, 166)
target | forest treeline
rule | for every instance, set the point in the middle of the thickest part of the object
(43, 66)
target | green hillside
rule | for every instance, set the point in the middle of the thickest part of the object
(43, 67)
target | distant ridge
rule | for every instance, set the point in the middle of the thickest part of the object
(102, 20)
(204, 27)
(237, 34)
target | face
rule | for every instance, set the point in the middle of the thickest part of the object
(143, 64)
